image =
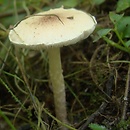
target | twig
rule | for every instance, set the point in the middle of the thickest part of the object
(102, 107)
(126, 95)
(92, 72)
(95, 114)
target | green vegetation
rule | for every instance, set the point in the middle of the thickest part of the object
(97, 74)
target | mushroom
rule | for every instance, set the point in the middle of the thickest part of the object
(51, 30)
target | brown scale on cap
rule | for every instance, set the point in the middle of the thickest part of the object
(56, 27)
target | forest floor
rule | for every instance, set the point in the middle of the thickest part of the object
(96, 72)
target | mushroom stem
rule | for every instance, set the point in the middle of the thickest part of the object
(58, 86)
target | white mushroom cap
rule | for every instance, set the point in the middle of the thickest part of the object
(56, 27)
